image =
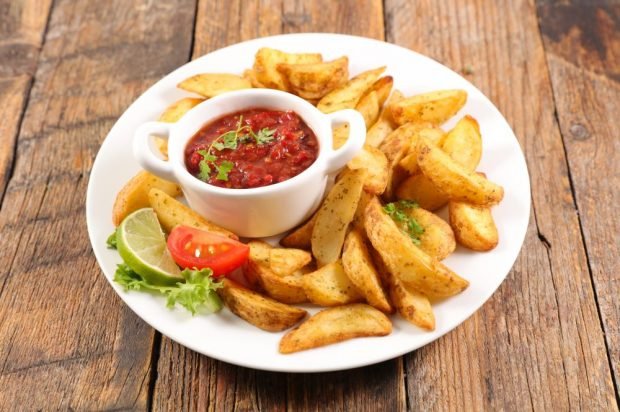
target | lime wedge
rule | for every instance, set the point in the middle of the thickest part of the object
(142, 245)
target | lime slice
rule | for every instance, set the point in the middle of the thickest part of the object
(142, 245)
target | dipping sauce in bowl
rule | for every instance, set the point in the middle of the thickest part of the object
(251, 148)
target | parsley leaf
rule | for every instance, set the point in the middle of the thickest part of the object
(408, 224)
(223, 169)
(226, 141)
(264, 135)
(111, 241)
(198, 290)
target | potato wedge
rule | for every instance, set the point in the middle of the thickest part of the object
(300, 237)
(285, 289)
(315, 80)
(266, 64)
(421, 190)
(135, 194)
(454, 180)
(170, 213)
(250, 75)
(463, 143)
(376, 164)
(361, 271)
(330, 286)
(473, 226)
(347, 95)
(334, 216)
(177, 109)
(358, 218)
(340, 134)
(259, 310)
(336, 325)
(212, 84)
(435, 107)
(410, 161)
(384, 125)
(284, 262)
(438, 238)
(369, 108)
(405, 260)
(382, 87)
(414, 307)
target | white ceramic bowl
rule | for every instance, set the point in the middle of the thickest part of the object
(262, 211)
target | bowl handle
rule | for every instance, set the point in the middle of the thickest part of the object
(144, 151)
(337, 159)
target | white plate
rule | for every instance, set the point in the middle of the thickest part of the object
(224, 336)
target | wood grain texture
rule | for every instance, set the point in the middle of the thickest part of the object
(22, 25)
(66, 340)
(189, 381)
(582, 44)
(537, 343)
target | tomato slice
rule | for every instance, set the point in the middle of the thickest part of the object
(195, 248)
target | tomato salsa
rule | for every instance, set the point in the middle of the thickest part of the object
(251, 148)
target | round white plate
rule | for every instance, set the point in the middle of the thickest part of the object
(225, 337)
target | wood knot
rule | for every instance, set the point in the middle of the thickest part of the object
(579, 131)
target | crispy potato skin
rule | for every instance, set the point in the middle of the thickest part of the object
(266, 63)
(406, 261)
(359, 267)
(347, 95)
(135, 194)
(260, 311)
(473, 226)
(375, 162)
(334, 216)
(330, 286)
(170, 213)
(435, 107)
(336, 325)
(301, 237)
(438, 239)
(454, 180)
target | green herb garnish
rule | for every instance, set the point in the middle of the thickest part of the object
(397, 211)
(230, 140)
(198, 290)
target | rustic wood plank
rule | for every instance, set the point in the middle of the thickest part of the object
(66, 340)
(22, 25)
(583, 49)
(188, 381)
(538, 342)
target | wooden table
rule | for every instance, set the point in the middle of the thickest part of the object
(548, 339)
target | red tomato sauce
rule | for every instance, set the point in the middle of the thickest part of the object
(271, 146)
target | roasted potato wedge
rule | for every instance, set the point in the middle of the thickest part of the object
(286, 289)
(336, 325)
(259, 310)
(382, 87)
(405, 260)
(334, 216)
(177, 109)
(384, 125)
(330, 286)
(420, 189)
(135, 194)
(250, 75)
(212, 84)
(347, 95)
(361, 271)
(463, 143)
(438, 238)
(369, 108)
(435, 107)
(301, 237)
(266, 64)
(315, 80)
(410, 161)
(376, 164)
(170, 213)
(473, 226)
(414, 307)
(340, 134)
(358, 218)
(284, 262)
(454, 180)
